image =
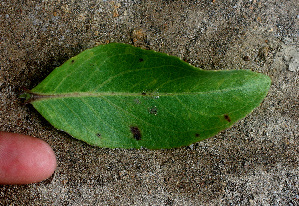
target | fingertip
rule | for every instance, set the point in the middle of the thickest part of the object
(25, 159)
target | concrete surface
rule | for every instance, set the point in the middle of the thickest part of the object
(253, 163)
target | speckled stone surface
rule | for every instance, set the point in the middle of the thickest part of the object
(253, 163)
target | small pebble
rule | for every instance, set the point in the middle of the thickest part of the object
(246, 58)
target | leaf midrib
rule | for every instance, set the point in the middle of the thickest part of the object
(44, 96)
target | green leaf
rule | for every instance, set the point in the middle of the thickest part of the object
(117, 95)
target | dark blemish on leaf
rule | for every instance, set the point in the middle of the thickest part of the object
(72, 61)
(143, 93)
(196, 135)
(227, 118)
(137, 101)
(153, 110)
(140, 60)
(99, 135)
(136, 133)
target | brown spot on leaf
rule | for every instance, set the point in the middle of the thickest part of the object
(227, 118)
(136, 133)
(196, 135)
(140, 60)
(99, 135)
(72, 61)
(137, 101)
(143, 93)
(153, 110)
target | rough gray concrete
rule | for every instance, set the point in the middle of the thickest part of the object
(253, 163)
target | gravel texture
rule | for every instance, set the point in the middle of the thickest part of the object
(253, 163)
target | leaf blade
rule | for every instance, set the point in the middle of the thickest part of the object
(117, 95)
